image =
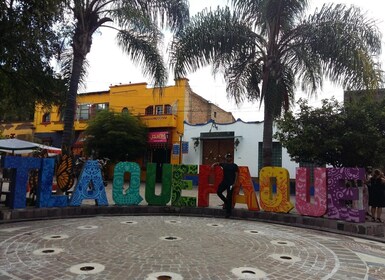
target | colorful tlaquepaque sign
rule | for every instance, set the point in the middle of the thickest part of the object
(330, 190)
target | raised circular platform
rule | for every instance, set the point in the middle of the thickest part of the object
(179, 247)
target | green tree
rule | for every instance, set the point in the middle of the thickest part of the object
(117, 136)
(313, 134)
(138, 25)
(332, 134)
(363, 137)
(29, 40)
(265, 47)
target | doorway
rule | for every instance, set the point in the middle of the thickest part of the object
(214, 150)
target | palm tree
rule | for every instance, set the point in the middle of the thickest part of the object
(265, 48)
(138, 25)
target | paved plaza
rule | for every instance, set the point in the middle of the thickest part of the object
(162, 246)
(175, 247)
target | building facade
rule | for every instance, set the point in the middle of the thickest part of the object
(21, 130)
(163, 112)
(210, 142)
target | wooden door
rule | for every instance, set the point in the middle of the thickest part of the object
(214, 150)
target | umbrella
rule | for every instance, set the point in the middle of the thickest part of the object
(16, 146)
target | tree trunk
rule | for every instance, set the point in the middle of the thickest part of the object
(267, 146)
(66, 158)
(70, 106)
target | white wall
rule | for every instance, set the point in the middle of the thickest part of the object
(246, 154)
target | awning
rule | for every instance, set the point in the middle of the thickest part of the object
(215, 138)
(17, 146)
(217, 135)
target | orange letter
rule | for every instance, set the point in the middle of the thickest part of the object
(249, 196)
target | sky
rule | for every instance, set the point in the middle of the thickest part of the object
(108, 65)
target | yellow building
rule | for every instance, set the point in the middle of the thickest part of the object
(164, 114)
(20, 130)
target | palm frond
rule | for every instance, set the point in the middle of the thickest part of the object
(66, 63)
(261, 13)
(346, 44)
(243, 78)
(212, 37)
(165, 13)
(143, 50)
(131, 17)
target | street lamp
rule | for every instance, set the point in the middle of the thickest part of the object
(196, 144)
(236, 143)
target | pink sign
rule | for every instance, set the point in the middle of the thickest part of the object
(303, 203)
(157, 137)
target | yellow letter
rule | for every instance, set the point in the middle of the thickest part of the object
(280, 202)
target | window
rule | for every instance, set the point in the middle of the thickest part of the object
(101, 106)
(95, 108)
(125, 110)
(149, 110)
(46, 118)
(158, 110)
(276, 157)
(167, 109)
(84, 111)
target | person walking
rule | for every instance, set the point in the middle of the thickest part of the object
(377, 195)
(365, 191)
(230, 177)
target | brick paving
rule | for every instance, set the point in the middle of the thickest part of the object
(136, 247)
(158, 243)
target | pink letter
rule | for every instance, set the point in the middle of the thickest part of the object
(302, 192)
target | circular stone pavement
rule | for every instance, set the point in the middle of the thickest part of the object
(176, 248)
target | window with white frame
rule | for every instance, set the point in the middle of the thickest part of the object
(84, 111)
(158, 110)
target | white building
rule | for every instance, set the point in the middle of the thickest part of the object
(209, 142)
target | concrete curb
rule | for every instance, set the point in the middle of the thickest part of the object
(369, 230)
